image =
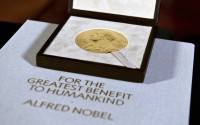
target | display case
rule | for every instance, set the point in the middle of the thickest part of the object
(106, 38)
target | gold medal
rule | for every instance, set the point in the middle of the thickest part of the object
(101, 40)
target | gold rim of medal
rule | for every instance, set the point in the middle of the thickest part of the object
(101, 40)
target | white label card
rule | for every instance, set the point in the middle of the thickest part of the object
(31, 95)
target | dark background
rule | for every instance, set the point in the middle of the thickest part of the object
(179, 20)
(180, 17)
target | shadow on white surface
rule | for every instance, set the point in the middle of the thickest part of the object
(30, 55)
(162, 63)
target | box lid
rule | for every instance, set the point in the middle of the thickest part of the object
(143, 12)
